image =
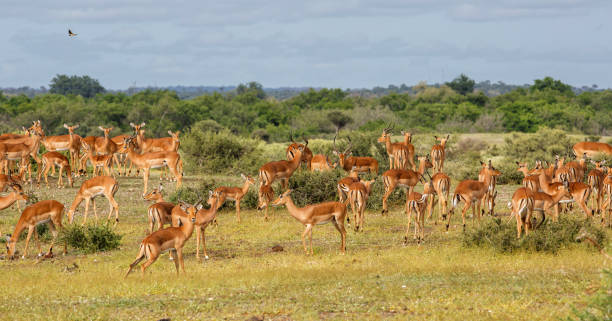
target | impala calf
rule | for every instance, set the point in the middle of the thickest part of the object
(52, 159)
(315, 214)
(49, 212)
(235, 193)
(358, 193)
(416, 202)
(90, 189)
(170, 238)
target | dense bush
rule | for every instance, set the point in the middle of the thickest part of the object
(193, 194)
(90, 238)
(550, 237)
(543, 145)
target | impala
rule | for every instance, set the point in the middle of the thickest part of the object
(562, 173)
(607, 207)
(98, 162)
(408, 144)
(265, 196)
(235, 193)
(147, 145)
(23, 151)
(13, 182)
(595, 180)
(522, 208)
(416, 202)
(438, 153)
(70, 142)
(544, 201)
(306, 157)
(531, 181)
(282, 169)
(99, 185)
(121, 153)
(11, 198)
(580, 191)
(591, 149)
(170, 238)
(405, 178)
(344, 183)
(49, 212)
(321, 163)
(160, 211)
(359, 164)
(489, 199)
(154, 160)
(203, 218)
(52, 159)
(472, 193)
(578, 168)
(358, 194)
(108, 147)
(315, 214)
(441, 186)
(398, 152)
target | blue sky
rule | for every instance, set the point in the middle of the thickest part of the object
(346, 44)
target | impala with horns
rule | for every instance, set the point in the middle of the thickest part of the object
(416, 202)
(398, 152)
(49, 212)
(404, 178)
(359, 164)
(160, 212)
(170, 238)
(472, 193)
(235, 193)
(316, 214)
(306, 157)
(281, 169)
(591, 149)
(321, 163)
(90, 189)
(438, 153)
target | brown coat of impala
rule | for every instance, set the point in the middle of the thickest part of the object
(408, 143)
(321, 163)
(530, 180)
(90, 189)
(358, 194)
(281, 169)
(438, 153)
(52, 159)
(591, 149)
(316, 214)
(344, 183)
(580, 191)
(472, 193)
(203, 218)
(488, 202)
(403, 178)
(108, 147)
(355, 163)
(416, 203)
(595, 180)
(397, 152)
(170, 238)
(522, 208)
(543, 201)
(160, 211)
(99, 163)
(607, 207)
(306, 157)
(265, 196)
(440, 183)
(70, 142)
(49, 212)
(10, 199)
(578, 168)
(150, 145)
(23, 151)
(235, 193)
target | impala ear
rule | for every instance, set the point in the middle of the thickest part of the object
(210, 193)
(65, 126)
(143, 124)
(519, 164)
(100, 127)
(336, 153)
(199, 207)
(243, 177)
(447, 136)
(132, 125)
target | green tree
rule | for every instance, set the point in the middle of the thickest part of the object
(462, 84)
(550, 83)
(75, 85)
(339, 119)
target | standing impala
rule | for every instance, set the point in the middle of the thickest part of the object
(23, 151)
(358, 193)
(265, 196)
(315, 214)
(52, 159)
(70, 142)
(580, 191)
(98, 162)
(530, 180)
(344, 183)
(306, 157)
(203, 218)
(522, 209)
(578, 168)
(595, 180)
(607, 207)
(49, 212)
(591, 149)
(416, 202)
(544, 201)
(170, 238)
(440, 183)
(404, 178)
(99, 185)
(159, 212)
(359, 164)
(472, 193)
(108, 147)
(398, 153)
(235, 193)
(408, 143)
(488, 202)
(154, 160)
(281, 169)
(438, 153)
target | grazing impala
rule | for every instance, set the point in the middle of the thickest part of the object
(147, 161)
(359, 164)
(52, 159)
(522, 209)
(281, 169)
(408, 143)
(203, 218)
(315, 214)
(321, 163)
(416, 202)
(235, 193)
(49, 212)
(306, 157)
(159, 212)
(404, 178)
(472, 192)
(580, 191)
(438, 153)
(595, 180)
(398, 152)
(591, 149)
(99, 185)
(441, 186)
(170, 238)
(265, 197)
(358, 194)
(344, 183)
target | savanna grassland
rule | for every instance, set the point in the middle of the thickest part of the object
(378, 278)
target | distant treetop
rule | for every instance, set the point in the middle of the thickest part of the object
(75, 85)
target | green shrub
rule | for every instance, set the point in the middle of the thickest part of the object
(90, 238)
(543, 145)
(192, 194)
(550, 237)
(313, 187)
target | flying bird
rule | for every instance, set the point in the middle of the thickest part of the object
(71, 34)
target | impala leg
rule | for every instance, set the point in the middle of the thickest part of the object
(479, 204)
(179, 251)
(25, 251)
(54, 233)
(87, 200)
(342, 231)
(37, 242)
(238, 209)
(306, 230)
(198, 232)
(60, 182)
(354, 210)
(146, 179)
(204, 242)
(468, 204)
(388, 190)
(409, 216)
(175, 259)
(310, 241)
(519, 222)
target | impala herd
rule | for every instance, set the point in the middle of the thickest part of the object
(545, 187)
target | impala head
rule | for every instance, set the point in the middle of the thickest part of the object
(425, 161)
(248, 179)
(386, 134)
(155, 194)
(175, 135)
(294, 147)
(213, 198)
(522, 167)
(265, 194)
(344, 155)
(191, 210)
(105, 130)
(10, 247)
(137, 127)
(282, 199)
(71, 128)
(442, 140)
(598, 164)
(407, 136)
